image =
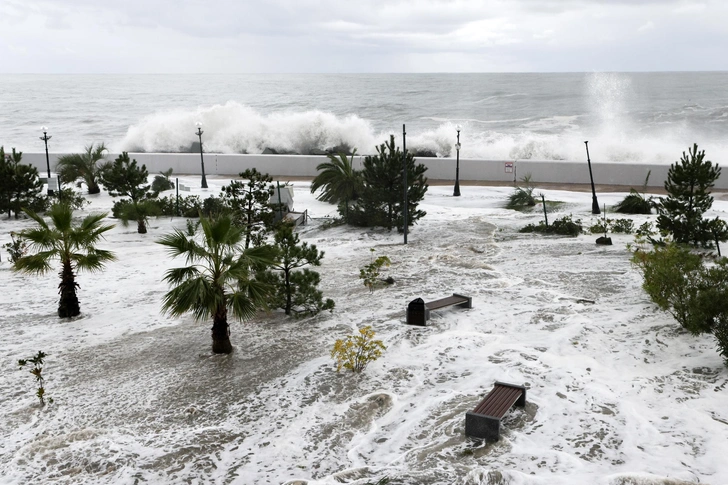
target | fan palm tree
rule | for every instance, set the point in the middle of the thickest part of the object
(338, 181)
(218, 279)
(73, 245)
(83, 166)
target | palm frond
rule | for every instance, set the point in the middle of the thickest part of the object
(175, 276)
(242, 306)
(33, 264)
(337, 179)
(194, 295)
(179, 244)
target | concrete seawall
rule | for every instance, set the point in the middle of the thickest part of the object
(547, 171)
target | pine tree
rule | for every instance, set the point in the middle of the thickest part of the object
(382, 198)
(124, 178)
(295, 288)
(688, 187)
(20, 185)
(250, 204)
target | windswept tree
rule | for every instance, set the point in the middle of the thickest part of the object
(73, 245)
(84, 166)
(218, 279)
(124, 178)
(688, 197)
(338, 181)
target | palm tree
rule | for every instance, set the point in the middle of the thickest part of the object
(338, 181)
(83, 166)
(218, 279)
(73, 245)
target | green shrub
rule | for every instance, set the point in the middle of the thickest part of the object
(214, 206)
(693, 292)
(646, 229)
(119, 207)
(522, 196)
(599, 227)
(563, 226)
(37, 371)
(636, 202)
(69, 196)
(617, 226)
(623, 226)
(189, 206)
(670, 279)
(370, 273)
(356, 351)
(17, 248)
(161, 182)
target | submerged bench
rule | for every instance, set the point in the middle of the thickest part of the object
(418, 312)
(484, 420)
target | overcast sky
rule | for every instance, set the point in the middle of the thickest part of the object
(191, 36)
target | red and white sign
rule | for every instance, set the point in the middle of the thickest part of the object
(509, 167)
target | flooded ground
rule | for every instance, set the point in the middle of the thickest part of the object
(618, 394)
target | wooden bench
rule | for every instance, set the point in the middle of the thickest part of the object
(418, 312)
(484, 420)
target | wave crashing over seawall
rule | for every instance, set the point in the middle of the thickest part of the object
(235, 128)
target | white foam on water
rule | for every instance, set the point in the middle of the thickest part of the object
(618, 394)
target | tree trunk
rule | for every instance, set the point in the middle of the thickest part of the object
(287, 273)
(93, 188)
(141, 226)
(221, 332)
(68, 305)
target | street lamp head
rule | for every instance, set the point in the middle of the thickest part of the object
(44, 129)
(198, 124)
(458, 128)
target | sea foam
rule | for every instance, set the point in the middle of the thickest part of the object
(236, 128)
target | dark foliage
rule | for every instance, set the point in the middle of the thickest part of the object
(295, 287)
(189, 206)
(382, 198)
(636, 202)
(83, 166)
(522, 196)
(20, 185)
(563, 226)
(124, 178)
(693, 292)
(249, 202)
(688, 186)
(161, 182)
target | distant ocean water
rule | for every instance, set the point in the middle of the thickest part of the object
(627, 117)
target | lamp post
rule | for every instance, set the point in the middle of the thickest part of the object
(456, 191)
(45, 138)
(595, 204)
(202, 160)
(404, 176)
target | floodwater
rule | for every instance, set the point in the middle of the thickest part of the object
(618, 394)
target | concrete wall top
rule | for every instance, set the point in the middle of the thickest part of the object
(291, 166)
